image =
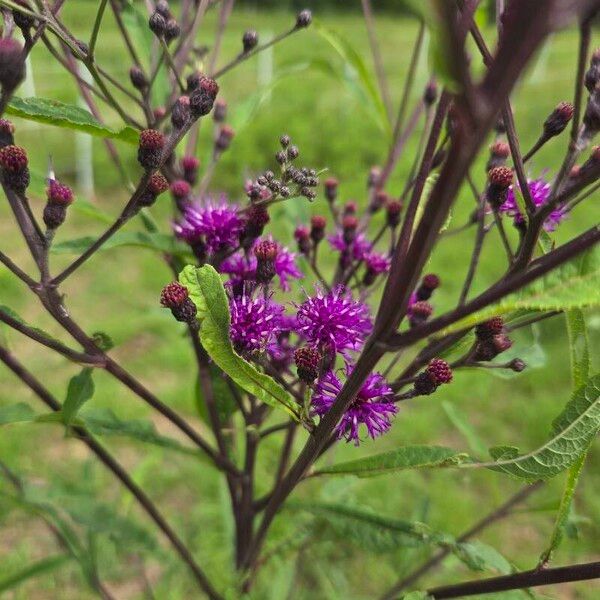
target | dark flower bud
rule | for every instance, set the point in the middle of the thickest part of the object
(490, 328)
(172, 31)
(224, 138)
(285, 140)
(189, 166)
(499, 180)
(500, 150)
(137, 78)
(592, 75)
(308, 362)
(7, 130)
(256, 219)
(350, 207)
(302, 236)
(193, 80)
(12, 64)
(558, 119)
(331, 189)
(394, 210)
(489, 347)
(281, 157)
(308, 193)
(157, 24)
(317, 230)
(159, 113)
(419, 312)
(428, 284)
(517, 365)
(293, 152)
(591, 117)
(156, 186)
(266, 253)
(59, 196)
(438, 372)
(177, 298)
(220, 111)
(203, 97)
(163, 9)
(430, 95)
(180, 190)
(303, 18)
(15, 170)
(349, 226)
(284, 191)
(150, 149)
(249, 40)
(378, 201)
(22, 21)
(501, 343)
(180, 112)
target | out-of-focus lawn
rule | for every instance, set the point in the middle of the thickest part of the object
(117, 292)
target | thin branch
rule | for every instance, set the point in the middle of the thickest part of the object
(96, 30)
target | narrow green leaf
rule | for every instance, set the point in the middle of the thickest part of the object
(573, 285)
(406, 457)
(68, 116)
(418, 595)
(105, 422)
(580, 366)
(16, 413)
(207, 293)
(40, 567)
(355, 62)
(154, 241)
(80, 390)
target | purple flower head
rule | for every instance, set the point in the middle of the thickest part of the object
(360, 245)
(254, 323)
(242, 267)
(540, 192)
(219, 223)
(377, 263)
(372, 407)
(334, 320)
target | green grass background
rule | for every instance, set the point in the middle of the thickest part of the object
(117, 292)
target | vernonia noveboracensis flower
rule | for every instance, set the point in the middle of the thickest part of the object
(59, 196)
(14, 164)
(176, 297)
(373, 406)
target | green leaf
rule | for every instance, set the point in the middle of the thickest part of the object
(105, 422)
(406, 457)
(355, 63)
(154, 241)
(16, 413)
(572, 433)
(69, 116)
(416, 596)
(350, 521)
(572, 285)
(207, 292)
(80, 390)
(40, 567)
(580, 365)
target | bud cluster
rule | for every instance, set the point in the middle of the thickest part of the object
(436, 373)
(491, 339)
(162, 23)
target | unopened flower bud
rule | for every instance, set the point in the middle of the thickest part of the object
(224, 138)
(180, 190)
(558, 119)
(438, 372)
(331, 189)
(317, 230)
(59, 196)
(379, 200)
(159, 113)
(157, 24)
(177, 298)
(308, 362)
(14, 165)
(489, 328)
(285, 140)
(349, 226)
(293, 152)
(499, 152)
(302, 236)
(517, 365)
(249, 40)
(256, 219)
(430, 95)
(156, 186)
(429, 283)
(591, 117)
(180, 112)
(394, 210)
(220, 111)
(303, 18)
(189, 166)
(203, 97)
(150, 148)
(137, 78)
(499, 180)
(266, 253)
(12, 64)
(162, 8)
(172, 30)
(7, 130)
(419, 312)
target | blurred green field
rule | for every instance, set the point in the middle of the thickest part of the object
(117, 292)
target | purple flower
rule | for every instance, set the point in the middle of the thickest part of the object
(372, 407)
(360, 245)
(377, 263)
(218, 222)
(540, 192)
(254, 323)
(242, 267)
(334, 320)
